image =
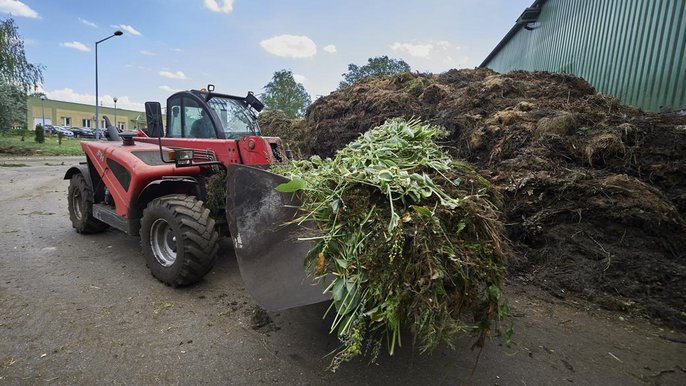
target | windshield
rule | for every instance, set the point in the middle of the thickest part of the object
(235, 118)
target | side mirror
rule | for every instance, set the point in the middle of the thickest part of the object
(255, 103)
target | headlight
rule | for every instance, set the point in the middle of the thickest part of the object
(184, 157)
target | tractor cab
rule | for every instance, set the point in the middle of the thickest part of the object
(225, 125)
(202, 114)
(205, 114)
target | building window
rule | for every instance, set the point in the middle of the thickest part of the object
(121, 126)
(86, 123)
(66, 121)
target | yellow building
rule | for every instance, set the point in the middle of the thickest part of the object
(60, 113)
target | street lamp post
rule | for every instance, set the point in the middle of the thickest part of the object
(116, 126)
(42, 107)
(97, 106)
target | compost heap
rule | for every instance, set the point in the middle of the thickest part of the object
(408, 236)
(594, 193)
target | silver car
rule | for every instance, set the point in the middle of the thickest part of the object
(66, 132)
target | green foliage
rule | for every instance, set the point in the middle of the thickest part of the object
(215, 199)
(285, 94)
(17, 76)
(14, 68)
(40, 134)
(408, 237)
(12, 106)
(380, 65)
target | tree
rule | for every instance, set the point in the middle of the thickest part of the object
(285, 94)
(40, 133)
(380, 65)
(14, 68)
(12, 106)
(17, 76)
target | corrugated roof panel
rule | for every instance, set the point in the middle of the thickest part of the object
(633, 49)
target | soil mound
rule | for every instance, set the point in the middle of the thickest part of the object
(594, 192)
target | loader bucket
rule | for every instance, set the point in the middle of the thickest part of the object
(270, 256)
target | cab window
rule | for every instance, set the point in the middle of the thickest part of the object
(197, 121)
(174, 118)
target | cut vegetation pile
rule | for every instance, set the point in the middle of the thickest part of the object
(410, 238)
(594, 193)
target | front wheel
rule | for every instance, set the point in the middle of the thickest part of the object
(179, 239)
(80, 202)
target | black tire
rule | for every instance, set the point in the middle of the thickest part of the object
(179, 239)
(80, 200)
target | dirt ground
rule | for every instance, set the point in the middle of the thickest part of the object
(78, 309)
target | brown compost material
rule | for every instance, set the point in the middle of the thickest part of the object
(594, 192)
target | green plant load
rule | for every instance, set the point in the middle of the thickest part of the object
(409, 237)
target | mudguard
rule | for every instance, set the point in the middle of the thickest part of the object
(80, 168)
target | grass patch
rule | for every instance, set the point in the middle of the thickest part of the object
(12, 165)
(13, 145)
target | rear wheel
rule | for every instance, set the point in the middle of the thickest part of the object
(179, 239)
(80, 197)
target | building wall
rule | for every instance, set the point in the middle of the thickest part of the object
(57, 111)
(634, 50)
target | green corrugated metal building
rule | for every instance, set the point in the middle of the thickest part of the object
(634, 50)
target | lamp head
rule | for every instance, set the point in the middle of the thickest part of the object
(118, 33)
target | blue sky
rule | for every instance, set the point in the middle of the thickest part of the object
(238, 45)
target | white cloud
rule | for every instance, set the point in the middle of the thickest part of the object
(445, 45)
(76, 45)
(431, 56)
(299, 78)
(221, 6)
(330, 48)
(88, 23)
(148, 53)
(127, 28)
(168, 89)
(290, 46)
(178, 50)
(69, 95)
(420, 50)
(17, 8)
(424, 50)
(173, 75)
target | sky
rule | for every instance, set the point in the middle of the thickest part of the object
(237, 45)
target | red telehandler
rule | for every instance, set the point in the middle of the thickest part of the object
(155, 184)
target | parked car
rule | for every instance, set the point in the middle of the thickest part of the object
(66, 132)
(85, 132)
(49, 129)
